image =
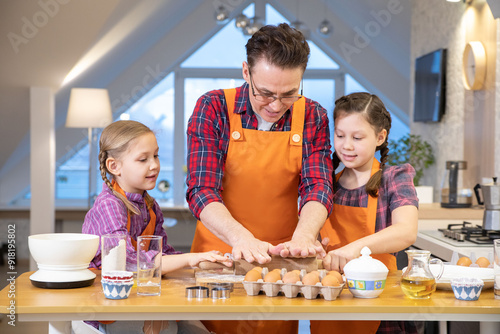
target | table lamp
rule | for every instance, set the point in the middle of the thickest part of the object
(89, 108)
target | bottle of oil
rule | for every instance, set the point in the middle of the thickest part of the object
(417, 281)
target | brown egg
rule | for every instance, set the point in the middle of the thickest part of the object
(330, 280)
(310, 279)
(336, 274)
(258, 269)
(464, 261)
(483, 262)
(252, 276)
(291, 277)
(272, 276)
(315, 272)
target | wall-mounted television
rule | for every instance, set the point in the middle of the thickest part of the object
(430, 87)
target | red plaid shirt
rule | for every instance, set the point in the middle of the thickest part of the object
(208, 141)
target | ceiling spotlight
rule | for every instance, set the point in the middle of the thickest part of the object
(300, 26)
(221, 15)
(325, 28)
(242, 21)
(254, 26)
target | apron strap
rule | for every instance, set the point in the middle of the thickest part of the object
(298, 117)
(235, 127)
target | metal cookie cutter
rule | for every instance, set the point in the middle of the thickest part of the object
(197, 292)
(224, 285)
(221, 293)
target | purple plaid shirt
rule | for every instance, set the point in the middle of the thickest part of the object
(208, 142)
(109, 216)
(396, 190)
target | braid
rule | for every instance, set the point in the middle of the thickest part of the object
(384, 154)
(103, 155)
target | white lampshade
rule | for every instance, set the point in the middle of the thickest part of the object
(89, 108)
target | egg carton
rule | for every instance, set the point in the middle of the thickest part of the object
(292, 290)
(455, 257)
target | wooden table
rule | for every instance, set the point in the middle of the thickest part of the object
(55, 306)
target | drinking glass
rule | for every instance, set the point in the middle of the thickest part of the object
(496, 267)
(113, 252)
(149, 255)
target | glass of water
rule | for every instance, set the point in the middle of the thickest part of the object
(149, 255)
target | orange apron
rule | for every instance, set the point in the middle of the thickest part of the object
(260, 190)
(345, 225)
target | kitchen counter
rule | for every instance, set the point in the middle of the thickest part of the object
(435, 211)
(89, 303)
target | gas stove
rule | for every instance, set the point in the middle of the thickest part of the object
(469, 233)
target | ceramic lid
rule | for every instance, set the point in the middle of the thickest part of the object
(365, 264)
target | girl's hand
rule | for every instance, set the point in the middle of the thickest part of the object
(212, 256)
(337, 258)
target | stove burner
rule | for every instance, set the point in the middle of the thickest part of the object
(466, 231)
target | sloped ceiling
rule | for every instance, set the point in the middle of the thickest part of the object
(40, 50)
(131, 45)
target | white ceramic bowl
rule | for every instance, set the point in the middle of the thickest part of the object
(63, 251)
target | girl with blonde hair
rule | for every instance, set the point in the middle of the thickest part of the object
(129, 155)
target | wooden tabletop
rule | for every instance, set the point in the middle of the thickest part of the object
(89, 303)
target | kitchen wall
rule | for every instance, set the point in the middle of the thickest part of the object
(469, 129)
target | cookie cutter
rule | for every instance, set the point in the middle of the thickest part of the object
(224, 285)
(197, 292)
(221, 293)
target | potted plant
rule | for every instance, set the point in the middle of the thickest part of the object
(417, 152)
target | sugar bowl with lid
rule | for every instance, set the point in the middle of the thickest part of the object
(365, 276)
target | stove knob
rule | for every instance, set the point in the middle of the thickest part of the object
(461, 237)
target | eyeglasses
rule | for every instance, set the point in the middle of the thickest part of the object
(267, 98)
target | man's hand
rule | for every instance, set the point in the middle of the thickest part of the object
(252, 250)
(299, 247)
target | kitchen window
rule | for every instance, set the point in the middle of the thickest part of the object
(167, 107)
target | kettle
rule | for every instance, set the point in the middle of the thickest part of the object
(452, 194)
(491, 201)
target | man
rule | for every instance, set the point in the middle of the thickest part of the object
(252, 151)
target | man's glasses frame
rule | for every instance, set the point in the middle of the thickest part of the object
(271, 98)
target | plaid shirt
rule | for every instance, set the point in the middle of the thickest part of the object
(109, 216)
(208, 141)
(396, 190)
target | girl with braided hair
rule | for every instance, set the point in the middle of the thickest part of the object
(129, 155)
(374, 205)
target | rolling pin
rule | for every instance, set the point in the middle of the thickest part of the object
(241, 267)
